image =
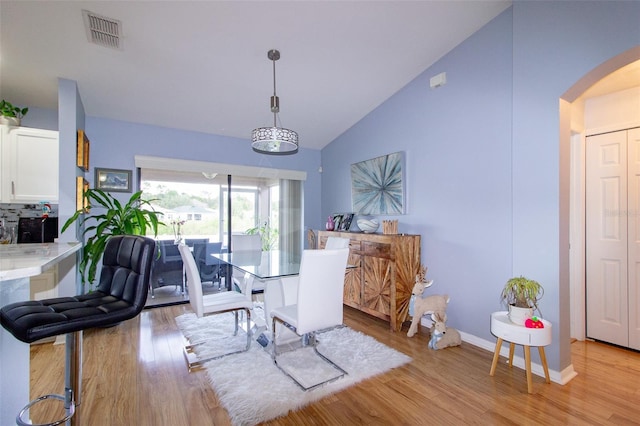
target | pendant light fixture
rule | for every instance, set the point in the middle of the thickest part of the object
(274, 140)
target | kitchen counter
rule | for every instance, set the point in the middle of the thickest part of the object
(27, 260)
(19, 262)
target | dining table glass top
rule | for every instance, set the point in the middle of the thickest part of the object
(263, 264)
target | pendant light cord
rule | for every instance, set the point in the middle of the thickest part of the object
(275, 104)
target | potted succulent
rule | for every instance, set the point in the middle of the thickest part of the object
(11, 115)
(521, 296)
(113, 218)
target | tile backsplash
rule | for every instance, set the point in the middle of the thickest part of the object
(10, 213)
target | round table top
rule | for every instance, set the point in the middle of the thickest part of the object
(502, 327)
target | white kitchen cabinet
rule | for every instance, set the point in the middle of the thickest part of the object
(29, 159)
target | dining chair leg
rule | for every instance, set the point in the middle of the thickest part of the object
(189, 348)
(314, 343)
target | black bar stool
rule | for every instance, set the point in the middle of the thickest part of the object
(121, 295)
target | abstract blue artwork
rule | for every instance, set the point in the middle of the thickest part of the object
(377, 185)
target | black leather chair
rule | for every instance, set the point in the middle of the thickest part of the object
(168, 268)
(120, 295)
(208, 266)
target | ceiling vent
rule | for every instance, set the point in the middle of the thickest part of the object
(103, 31)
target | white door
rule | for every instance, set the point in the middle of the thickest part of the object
(613, 237)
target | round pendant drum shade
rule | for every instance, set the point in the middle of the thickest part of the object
(274, 140)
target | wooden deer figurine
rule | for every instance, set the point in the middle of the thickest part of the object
(441, 335)
(425, 305)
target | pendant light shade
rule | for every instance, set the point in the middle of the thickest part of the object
(274, 140)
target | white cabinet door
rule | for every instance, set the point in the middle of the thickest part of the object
(32, 160)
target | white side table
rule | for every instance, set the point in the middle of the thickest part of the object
(505, 330)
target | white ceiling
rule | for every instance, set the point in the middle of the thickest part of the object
(203, 65)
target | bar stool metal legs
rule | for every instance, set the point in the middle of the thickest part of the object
(72, 391)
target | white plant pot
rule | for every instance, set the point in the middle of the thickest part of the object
(519, 315)
(9, 121)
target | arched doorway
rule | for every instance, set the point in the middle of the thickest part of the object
(618, 73)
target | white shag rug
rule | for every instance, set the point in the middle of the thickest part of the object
(253, 390)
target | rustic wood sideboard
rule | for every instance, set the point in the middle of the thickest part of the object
(380, 284)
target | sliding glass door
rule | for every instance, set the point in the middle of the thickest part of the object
(214, 207)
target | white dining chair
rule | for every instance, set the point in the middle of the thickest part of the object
(336, 243)
(215, 303)
(318, 305)
(246, 243)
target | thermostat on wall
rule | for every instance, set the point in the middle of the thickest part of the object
(438, 80)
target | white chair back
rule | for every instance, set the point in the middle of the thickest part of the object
(320, 289)
(193, 280)
(246, 242)
(336, 243)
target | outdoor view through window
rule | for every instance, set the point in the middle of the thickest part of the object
(199, 210)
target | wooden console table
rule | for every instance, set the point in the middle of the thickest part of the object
(380, 284)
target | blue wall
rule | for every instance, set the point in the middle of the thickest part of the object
(115, 143)
(483, 156)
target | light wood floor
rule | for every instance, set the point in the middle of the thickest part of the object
(135, 374)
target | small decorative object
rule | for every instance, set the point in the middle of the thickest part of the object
(45, 208)
(441, 335)
(11, 115)
(7, 233)
(520, 295)
(330, 225)
(533, 322)
(420, 278)
(377, 185)
(113, 180)
(426, 305)
(177, 230)
(390, 227)
(368, 226)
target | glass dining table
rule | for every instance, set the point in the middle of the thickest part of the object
(275, 271)
(263, 265)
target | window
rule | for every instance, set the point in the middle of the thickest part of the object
(201, 205)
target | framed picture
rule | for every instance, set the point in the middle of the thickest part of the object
(377, 185)
(82, 202)
(82, 149)
(337, 221)
(347, 218)
(113, 180)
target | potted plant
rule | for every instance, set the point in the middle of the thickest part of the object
(521, 296)
(112, 219)
(11, 115)
(268, 234)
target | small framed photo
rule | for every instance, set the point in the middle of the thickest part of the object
(337, 220)
(347, 218)
(113, 180)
